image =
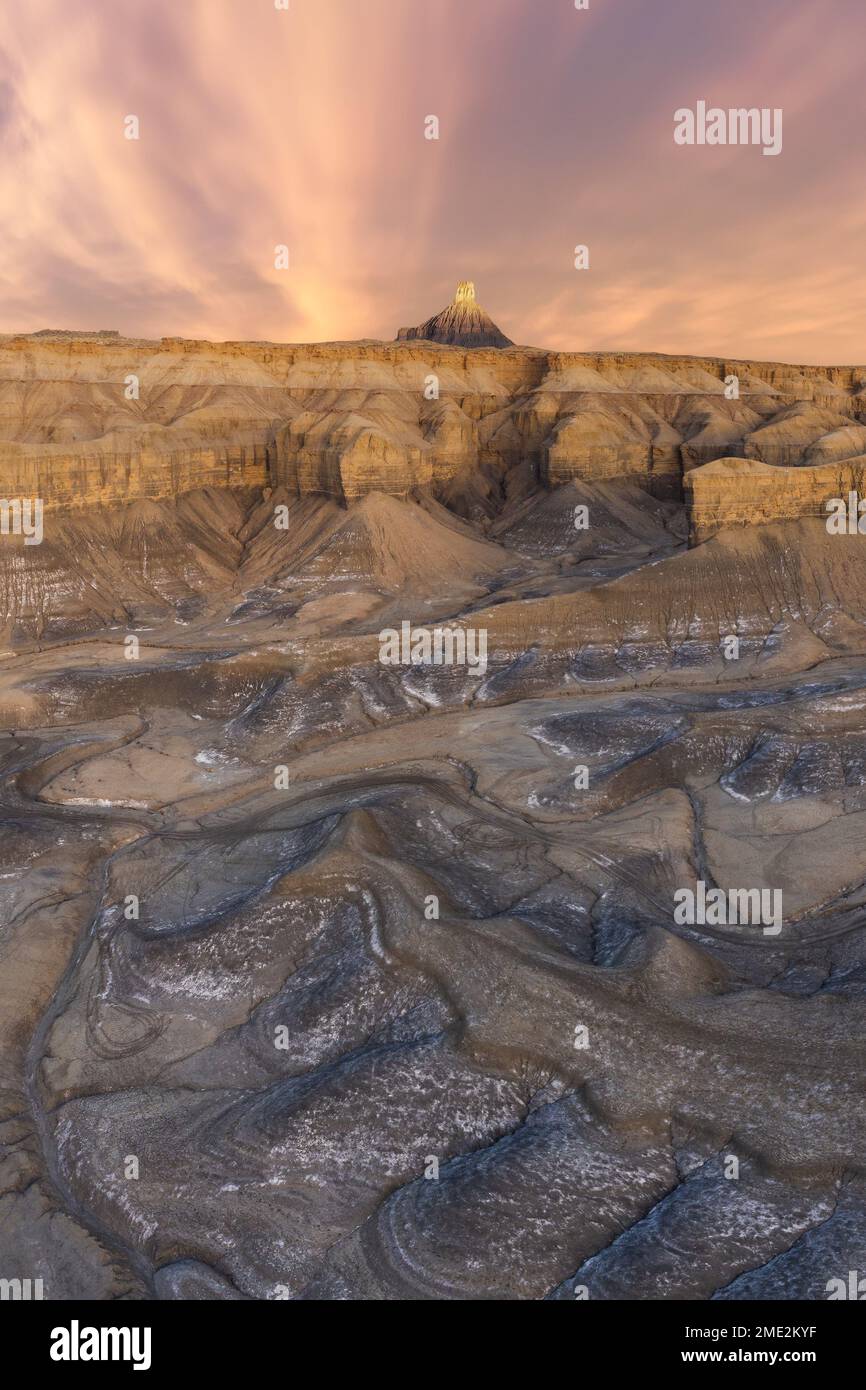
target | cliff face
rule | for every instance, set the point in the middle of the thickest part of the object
(116, 468)
(105, 419)
(742, 492)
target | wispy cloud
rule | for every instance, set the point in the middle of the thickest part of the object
(261, 127)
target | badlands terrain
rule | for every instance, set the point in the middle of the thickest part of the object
(330, 979)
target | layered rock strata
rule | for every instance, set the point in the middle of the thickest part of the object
(463, 323)
(103, 419)
(748, 492)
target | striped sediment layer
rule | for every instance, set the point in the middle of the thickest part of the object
(101, 419)
(748, 492)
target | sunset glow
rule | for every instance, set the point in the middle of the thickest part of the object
(306, 128)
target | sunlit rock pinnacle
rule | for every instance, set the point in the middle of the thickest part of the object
(464, 323)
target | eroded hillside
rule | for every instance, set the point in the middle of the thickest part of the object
(332, 977)
(104, 419)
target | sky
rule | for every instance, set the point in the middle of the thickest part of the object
(262, 127)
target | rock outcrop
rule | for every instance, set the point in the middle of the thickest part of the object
(464, 324)
(102, 419)
(748, 492)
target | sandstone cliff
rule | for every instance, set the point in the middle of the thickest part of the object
(96, 418)
(741, 492)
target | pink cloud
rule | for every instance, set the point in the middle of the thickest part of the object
(261, 127)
